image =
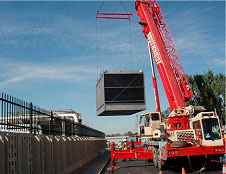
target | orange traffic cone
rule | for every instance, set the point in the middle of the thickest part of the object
(160, 172)
(224, 169)
(183, 171)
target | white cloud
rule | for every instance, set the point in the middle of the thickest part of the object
(63, 31)
(193, 29)
(217, 62)
(15, 72)
(113, 45)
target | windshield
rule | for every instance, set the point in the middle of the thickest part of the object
(155, 116)
(211, 129)
(147, 121)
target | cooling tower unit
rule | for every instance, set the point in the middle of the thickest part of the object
(120, 93)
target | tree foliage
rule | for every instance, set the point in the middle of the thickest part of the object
(209, 91)
(166, 113)
(114, 135)
(129, 133)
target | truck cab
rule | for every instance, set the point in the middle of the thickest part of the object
(148, 123)
(207, 126)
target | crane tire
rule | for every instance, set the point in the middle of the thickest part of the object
(161, 165)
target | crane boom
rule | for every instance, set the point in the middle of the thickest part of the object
(164, 52)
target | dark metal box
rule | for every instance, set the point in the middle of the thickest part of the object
(120, 93)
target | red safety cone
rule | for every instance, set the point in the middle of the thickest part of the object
(224, 169)
(183, 171)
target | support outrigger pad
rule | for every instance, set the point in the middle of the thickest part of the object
(113, 166)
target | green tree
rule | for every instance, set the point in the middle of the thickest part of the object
(114, 135)
(166, 113)
(209, 91)
(129, 133)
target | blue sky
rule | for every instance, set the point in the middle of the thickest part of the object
(51, 53)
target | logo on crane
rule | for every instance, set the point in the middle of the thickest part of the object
(154, 48)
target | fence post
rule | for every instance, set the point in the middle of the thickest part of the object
(63, 133)
(73, 128)
(51, 122)
(31, 118)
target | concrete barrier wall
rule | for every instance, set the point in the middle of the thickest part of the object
(39, 154)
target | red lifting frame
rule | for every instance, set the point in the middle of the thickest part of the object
(114, 15)
(137, 152)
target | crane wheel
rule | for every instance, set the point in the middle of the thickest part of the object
(148, 160)
(161, 163)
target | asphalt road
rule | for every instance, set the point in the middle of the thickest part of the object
(95, 165)
(142, 167)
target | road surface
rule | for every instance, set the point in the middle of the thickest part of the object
(142, 167)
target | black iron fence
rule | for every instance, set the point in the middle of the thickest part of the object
(20, 116)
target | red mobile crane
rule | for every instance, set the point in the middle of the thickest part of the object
(189, 132)
(186, 132)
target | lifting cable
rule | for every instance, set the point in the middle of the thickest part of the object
(135, 46)
(97, 67)
(101, 5)
(130, 45)
(97, 62)
(132, 32)
(115, 15)
(126, 9)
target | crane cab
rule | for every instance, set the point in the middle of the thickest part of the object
(148, 123)
(207, 126)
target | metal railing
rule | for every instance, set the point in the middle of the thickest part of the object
(20, 116)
